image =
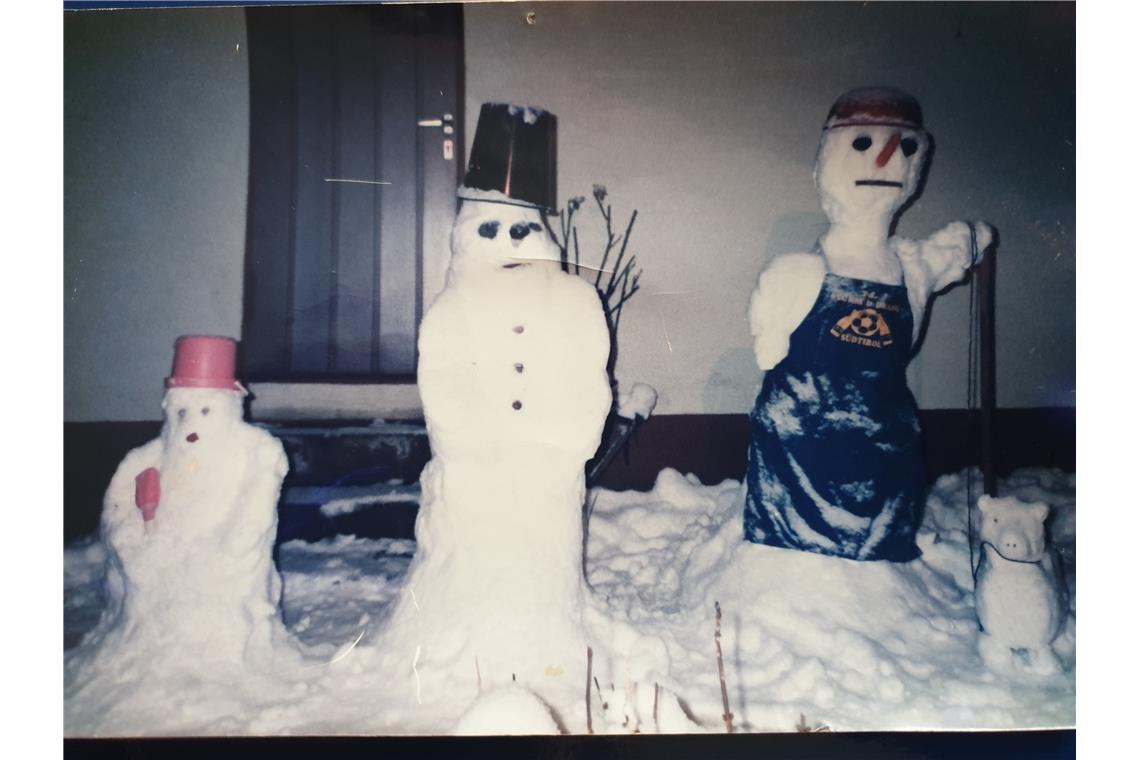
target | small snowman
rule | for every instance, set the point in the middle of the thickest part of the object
(189, 521)
(834, 463)
(512, 374)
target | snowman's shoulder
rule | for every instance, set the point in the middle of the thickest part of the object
(574, 288)
(259, 436)
(790, 278)
(452, 306)
(140, 458)
(263, 445)
(795, 267)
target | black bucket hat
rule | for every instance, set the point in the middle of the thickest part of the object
(514, 153)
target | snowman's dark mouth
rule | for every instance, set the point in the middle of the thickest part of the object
(192, 437)
(877, 183)
(516, 264)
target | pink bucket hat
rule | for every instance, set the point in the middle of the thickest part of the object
(204, 361)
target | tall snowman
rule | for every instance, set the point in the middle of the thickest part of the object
(834, 463)
(512, 374)
(189, 522)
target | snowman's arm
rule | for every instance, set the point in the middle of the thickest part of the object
(122, 520)
(783, 296)
(585, 353)
(256, 521)
(942, 259)
(446, 366)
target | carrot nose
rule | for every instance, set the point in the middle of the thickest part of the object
(888, 150)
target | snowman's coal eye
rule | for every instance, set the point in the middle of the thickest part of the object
(861, 143)
(909, 145)
(536, 226)
(205, 410)
(181, 414)
(489, 230)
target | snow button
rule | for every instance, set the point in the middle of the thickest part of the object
(519, 367)
(516, 405)
(518, 329)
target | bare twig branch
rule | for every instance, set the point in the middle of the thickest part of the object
(589, 677)
(625, 240)
(720, 668)
(607, 215)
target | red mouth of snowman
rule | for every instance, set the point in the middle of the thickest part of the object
(191, 438)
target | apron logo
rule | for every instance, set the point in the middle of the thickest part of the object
(864, 327)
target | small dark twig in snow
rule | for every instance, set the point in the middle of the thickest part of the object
(655, 692)
(598, 686)
(589, 677)
(720, 668)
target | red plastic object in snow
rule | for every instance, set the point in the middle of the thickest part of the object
(147, 492)
(204, 361)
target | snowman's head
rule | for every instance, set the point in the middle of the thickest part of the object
(197, 418)
(491, 236)
(871, 155)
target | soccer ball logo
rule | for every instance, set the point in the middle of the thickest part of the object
(866, 323)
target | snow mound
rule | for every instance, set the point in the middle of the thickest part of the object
(849, 645)
(510, 710)
(854, 645)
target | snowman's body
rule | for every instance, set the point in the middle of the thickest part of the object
(513, 378)
(835, 461)
(200, 574)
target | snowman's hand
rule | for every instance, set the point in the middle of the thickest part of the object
(944, 258)
(984, 238)
(783, 296)
(120, 515)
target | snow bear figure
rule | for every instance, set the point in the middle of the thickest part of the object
(1017, 595)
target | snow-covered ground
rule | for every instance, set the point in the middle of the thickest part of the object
(807, 640)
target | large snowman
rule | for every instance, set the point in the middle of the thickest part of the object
(512, 374)
(189, 522)
(834, 464)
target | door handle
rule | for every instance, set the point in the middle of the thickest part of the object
(446, 122)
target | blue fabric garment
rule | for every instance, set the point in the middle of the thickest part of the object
(834, 464)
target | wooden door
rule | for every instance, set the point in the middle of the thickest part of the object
(355, 155)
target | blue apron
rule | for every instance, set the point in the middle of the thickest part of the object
(834, 465)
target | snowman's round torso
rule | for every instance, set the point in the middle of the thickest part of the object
(521, 364)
